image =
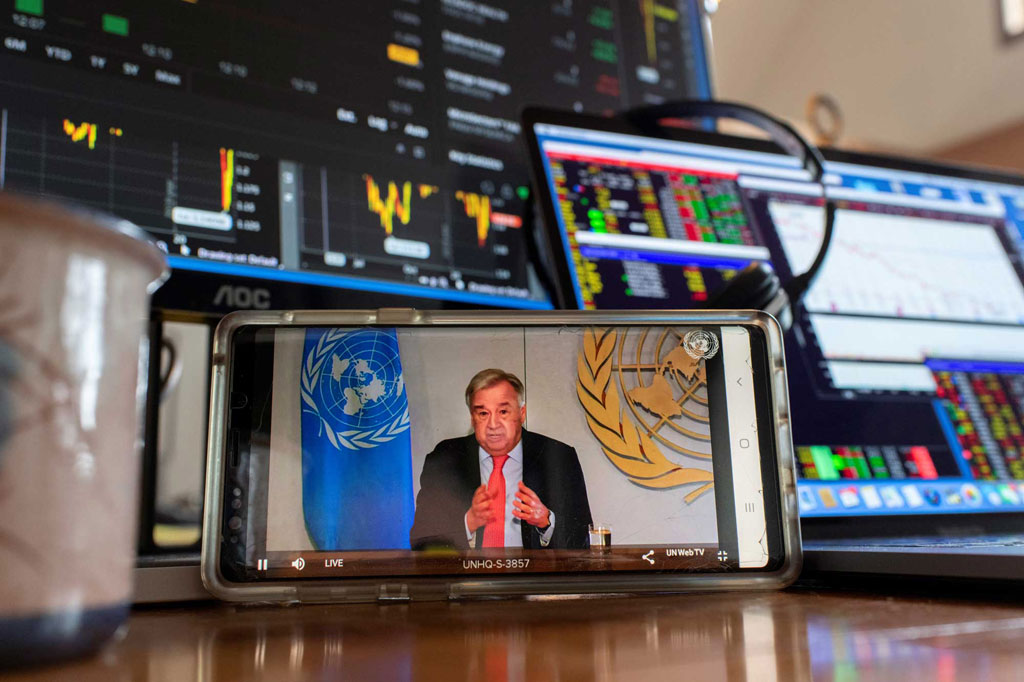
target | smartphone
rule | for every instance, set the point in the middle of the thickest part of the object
(401, 455)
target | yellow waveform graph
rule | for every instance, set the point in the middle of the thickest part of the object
(81, 131)
(227, 177)
(649, 10)
(477, 206)
(397, 203)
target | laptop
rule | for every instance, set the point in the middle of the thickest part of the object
(905, 358)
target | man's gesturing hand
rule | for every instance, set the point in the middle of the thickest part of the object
(528, 507)
(481, 510)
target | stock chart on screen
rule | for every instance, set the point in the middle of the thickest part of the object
(912, 345)
(207, 201)
(644, 230)
(905, 263)
(371, 146)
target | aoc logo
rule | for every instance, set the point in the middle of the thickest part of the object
(242, 297)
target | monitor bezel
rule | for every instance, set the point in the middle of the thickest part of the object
(924, 166)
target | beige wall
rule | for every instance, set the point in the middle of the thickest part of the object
(910, 75)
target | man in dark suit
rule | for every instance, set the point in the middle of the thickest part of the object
(501, 486)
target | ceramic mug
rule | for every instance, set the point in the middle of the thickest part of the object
(74, 303)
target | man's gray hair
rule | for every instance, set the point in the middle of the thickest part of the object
(489, 377)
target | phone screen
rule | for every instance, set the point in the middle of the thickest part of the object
(386, 451)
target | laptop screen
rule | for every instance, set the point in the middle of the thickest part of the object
(906, 359)
(645, 223)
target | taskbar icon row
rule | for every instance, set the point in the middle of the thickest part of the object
(849, 498)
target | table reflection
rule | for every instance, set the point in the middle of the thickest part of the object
(761, 636)
(712, 637)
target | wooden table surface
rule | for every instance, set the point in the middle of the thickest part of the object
(793, 635)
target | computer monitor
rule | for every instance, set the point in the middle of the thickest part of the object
(906, 358)
(907, 364)
(639, 222)
(311, 154)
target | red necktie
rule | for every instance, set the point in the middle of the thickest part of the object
(494, 532)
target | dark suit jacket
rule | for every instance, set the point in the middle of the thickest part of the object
(451, 474)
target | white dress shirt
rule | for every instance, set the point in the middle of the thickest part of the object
(513, 473)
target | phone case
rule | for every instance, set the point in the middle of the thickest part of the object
(405, 588)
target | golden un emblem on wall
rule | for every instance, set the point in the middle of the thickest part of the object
(644, 391)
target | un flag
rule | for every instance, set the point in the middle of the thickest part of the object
(356, 449)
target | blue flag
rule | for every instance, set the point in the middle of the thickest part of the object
(356, 447)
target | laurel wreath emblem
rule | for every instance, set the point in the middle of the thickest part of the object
(626, 446)
(351, 439)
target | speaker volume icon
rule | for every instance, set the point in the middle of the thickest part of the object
(299, 564)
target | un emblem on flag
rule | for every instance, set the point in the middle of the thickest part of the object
(352, 381)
